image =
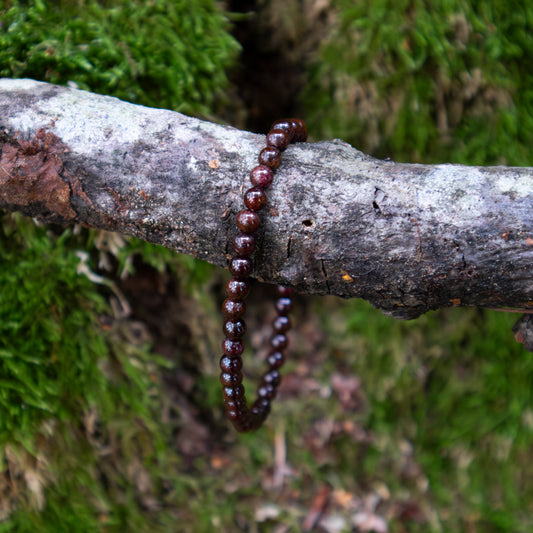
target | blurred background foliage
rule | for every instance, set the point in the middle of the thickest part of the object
(109, 394)
(446, 81)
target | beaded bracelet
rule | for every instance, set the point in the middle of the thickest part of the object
(245, 418)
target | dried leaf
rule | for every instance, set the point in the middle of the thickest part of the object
(366, 521)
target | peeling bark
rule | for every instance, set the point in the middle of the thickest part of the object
(32, 177)
(408, 238)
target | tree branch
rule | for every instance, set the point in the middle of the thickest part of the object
(408, 238)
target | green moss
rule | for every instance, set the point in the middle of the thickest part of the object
(80, 402)
(51, 338)
(161, 54)
(420, 82)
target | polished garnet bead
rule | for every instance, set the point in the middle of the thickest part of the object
(266, 390)
(285, 291)
(234, 329)
(278, 139)
(237, 289)
(281, 324)
(283, 305)
(261, 176)
(235, 417)
(255, 198)
(241, 267)
(279, 342)
(243, 244)
(231, 365)
(270, 157)
(299, 130)
(244, 423)
(275, 359)
(238, 408)
(230, 380)
(237, 404)
(248, 221)
(285, 124)
(232, 347)
(272, 377)
(233, 393)
(261, 406)
(233, 308)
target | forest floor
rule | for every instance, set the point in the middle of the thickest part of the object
(379, 425)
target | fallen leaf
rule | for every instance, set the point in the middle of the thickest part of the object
(269, 511)
(365, 521)
(333, 524)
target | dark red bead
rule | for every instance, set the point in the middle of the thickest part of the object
(234, 329)
(248, 221)
(283, 305)
(270, 157)
(261, 176)
(233, 393)
(281, 324)
(241, 267)
(279, 342)
(230, 380)
(243, 244)
(244, 424)
(275, 359)
(261, 406)
(272, 377)
(285, 291)
(285, 124)
(231, 365)
(267, 391)
(233, 415)
(238, 404)
(233, 308)
(232, 348)
(299, 130)
(237, 289)
(255, 198)
(278, 139)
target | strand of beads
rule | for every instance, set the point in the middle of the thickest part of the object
(245, 418)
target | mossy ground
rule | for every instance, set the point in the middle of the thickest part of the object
(111, 410)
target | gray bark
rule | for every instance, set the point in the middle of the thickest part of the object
(406, 237)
